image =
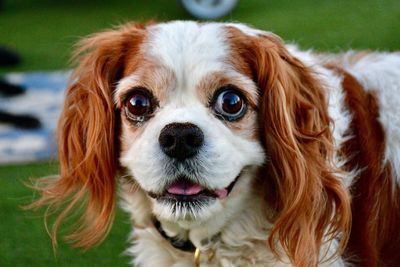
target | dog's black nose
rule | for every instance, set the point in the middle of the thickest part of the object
(181, 140)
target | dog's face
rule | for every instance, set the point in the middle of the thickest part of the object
(189, 122)
(191, 111)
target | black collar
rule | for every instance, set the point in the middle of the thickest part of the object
(184, 245)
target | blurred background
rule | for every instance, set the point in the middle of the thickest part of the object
(42, 34)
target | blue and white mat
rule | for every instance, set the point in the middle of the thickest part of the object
(43, 99)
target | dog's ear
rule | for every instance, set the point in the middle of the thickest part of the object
(312, 205)
(88, 137)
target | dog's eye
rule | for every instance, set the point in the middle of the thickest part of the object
(138, 105)
(229, 103)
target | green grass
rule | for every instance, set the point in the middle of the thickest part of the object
(44, 31)
(24, 241)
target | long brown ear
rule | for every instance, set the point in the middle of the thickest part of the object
(312, 205)
(87, 136)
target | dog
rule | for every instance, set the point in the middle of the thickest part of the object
(229, 147)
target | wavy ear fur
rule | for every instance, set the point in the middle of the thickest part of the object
(312, 205)
(88, 137)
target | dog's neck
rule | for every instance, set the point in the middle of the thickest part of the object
(175, 241)
(250, 222)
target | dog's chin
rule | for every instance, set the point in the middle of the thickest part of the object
(187, 201)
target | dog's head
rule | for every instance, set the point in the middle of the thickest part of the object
(189, 121)
(198, 115)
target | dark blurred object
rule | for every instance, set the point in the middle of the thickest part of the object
(9, 89)
(209, 9)
(23, 121)
(8, 57)
(20, 121)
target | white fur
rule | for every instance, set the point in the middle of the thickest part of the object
(189, 49)
(240, 219)
(380, 72)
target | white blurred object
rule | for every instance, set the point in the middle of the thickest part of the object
(209, 9)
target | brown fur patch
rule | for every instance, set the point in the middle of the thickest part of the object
(87, 131)
(157, 79)
(211, 83)
(374, 239)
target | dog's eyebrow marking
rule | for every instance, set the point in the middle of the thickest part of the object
(214, 81)
(159, 80)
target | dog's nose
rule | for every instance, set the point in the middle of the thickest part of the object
(181, 140)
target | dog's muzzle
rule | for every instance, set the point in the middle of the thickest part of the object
(181, 142)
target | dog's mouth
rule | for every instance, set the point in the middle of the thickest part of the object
(185, 190)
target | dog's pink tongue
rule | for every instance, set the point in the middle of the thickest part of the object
(186, 188)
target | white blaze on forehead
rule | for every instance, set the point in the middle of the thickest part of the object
(191, 50)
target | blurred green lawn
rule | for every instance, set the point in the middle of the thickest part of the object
(44, 31)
